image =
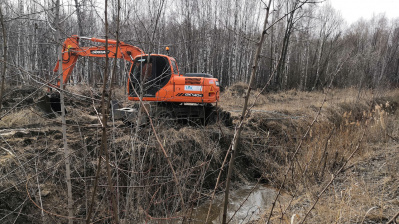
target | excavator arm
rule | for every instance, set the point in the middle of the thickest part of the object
(71, 51)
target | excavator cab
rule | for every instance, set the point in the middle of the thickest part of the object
(149, 74)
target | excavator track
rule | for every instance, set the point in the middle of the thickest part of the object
(171, 113)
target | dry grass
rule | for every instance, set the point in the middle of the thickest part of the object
(298, 102)
(292, 100)
(23, 118)
(365, 190)
(272, 132)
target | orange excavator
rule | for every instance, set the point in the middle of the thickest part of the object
(153, 79)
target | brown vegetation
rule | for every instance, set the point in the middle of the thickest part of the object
(31, 157)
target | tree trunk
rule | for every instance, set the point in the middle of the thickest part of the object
(81, 33)
(66, 149)
(284, 51)
(3, 72)
(244, 111)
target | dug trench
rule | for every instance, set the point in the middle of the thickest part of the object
(33, 182)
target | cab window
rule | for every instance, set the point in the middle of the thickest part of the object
(174, 67)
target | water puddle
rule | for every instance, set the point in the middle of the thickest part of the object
(258, 202)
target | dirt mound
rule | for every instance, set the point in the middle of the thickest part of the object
(21, 97)
(21, 107)
(237, 90)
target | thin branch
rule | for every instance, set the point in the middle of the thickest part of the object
(237, 133)
(393, 219)
(333, 176)
(294, 156)
(162, 149)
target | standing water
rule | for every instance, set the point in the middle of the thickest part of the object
(257, 203)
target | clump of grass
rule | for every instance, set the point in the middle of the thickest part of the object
(347, 114)
(85, 90)
(23, 118)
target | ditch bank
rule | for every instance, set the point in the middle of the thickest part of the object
(32, 170)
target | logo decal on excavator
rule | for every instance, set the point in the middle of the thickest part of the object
(99, 52)
(190, 94)
(192, 88)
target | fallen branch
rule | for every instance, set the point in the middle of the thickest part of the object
(393, 219)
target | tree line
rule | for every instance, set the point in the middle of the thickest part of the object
(306, 47)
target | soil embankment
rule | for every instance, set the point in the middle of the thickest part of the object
(33, 189)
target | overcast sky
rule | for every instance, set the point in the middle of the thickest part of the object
(352, 10)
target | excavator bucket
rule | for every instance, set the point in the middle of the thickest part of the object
(50, 105)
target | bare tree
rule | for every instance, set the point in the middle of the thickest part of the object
(62, 101)
(234, 143)
(4, 70)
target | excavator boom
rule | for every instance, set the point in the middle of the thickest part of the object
(71, 51)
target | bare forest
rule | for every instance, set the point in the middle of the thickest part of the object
(306, 129)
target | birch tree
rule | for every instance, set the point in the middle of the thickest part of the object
(58, 38)
(4, 67)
